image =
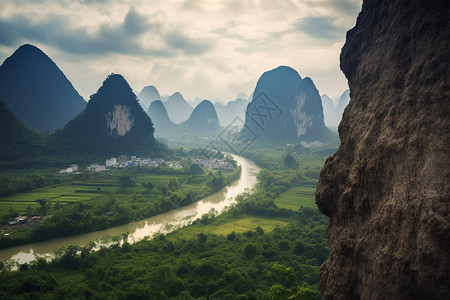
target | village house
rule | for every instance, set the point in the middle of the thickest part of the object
(21, 219)
(72, 168)
(112, 162)
(96, 168)
(174, 164)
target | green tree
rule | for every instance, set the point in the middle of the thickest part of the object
(195, 169)
(293, 290)
(126, 181)
(250, 251)
(202, 237)
(290, 162)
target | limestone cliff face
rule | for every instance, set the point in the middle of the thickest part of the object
(113, 123)
(286, 108)
(386, 190)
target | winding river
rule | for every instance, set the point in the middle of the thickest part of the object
(162, 223)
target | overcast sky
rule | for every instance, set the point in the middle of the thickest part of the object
(206, 48)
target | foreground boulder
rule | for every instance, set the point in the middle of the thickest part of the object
(386, 190)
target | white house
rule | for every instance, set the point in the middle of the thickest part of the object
(111, 162)
(96, 168)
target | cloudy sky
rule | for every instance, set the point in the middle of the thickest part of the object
(206, 48)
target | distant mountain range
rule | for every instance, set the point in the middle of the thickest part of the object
(286, 108)
(147, 96)
(203, 118)
(332, 113)
(178, 108)
(283, 107)
(229, 112)
(37, 91)
(195, 102)
(161, 120)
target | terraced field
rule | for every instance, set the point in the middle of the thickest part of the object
(89, 189)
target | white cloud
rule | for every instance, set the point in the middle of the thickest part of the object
(206, 48)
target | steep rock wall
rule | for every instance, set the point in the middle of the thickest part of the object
(386, 190)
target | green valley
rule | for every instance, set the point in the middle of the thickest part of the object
(89, 201)
(271, 243)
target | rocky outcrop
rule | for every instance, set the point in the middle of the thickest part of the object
(286, 108)
(386, 190)
(112, 124)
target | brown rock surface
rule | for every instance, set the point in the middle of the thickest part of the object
(386, 190)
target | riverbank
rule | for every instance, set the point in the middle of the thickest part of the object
(165, 222)
(96, 201)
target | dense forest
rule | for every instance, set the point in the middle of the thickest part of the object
(206, 266)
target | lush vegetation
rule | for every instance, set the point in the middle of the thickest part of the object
(91, 201)
(189, 265)
(269, 246)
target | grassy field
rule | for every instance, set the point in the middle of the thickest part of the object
(296, 197)
(63, 194)
(293, 199)
(225, 226)
(86, 190)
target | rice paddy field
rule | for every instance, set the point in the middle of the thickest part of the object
(89, 189)
(296, 197)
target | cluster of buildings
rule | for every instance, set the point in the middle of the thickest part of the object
(20, 220)
(70, 169)
(123, 161)
(311, 144)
